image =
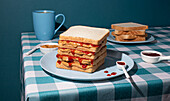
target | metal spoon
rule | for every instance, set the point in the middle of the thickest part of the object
(32, 50)
(121, 65)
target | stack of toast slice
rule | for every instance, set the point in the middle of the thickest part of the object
(129, 31)
(82, 48)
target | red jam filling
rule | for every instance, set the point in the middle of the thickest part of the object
(70, 64)
(81, 43)
(59, 62)
(70, 60)
(150, 54)
(84, 66)
(72, 51)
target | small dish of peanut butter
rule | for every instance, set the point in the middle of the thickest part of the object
(48, 47)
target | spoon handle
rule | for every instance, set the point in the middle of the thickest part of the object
(164, 58)
(126, 74)
(32, 50)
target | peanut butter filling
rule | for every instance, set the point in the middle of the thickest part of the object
(74, 59)
(80, 46)
(80, 53)
(129, 36)
(80, 62)
(131, 32)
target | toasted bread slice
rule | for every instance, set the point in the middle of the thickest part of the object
(85, 34)
(129, 26)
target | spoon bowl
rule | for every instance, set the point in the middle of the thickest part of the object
(121, 66)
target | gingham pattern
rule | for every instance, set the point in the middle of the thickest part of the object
(149, 81)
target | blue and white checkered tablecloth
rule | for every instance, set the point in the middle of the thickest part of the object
(148, 81)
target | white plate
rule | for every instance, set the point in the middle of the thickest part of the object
(48, 63)
(149, 38)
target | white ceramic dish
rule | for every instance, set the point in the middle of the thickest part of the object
(47, 50)
(48, 63)
(43, 50)
(153, 59)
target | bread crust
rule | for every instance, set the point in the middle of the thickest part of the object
(105, 34)
(140, 27)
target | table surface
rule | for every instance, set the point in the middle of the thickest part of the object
(148, 81)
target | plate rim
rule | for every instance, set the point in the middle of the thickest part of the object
(80, 79)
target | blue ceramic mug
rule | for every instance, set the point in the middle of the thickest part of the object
(44, 24)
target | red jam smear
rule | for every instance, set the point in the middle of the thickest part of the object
(81, 43)
(113, 73)
(108, 74)
(121, 63)
(106, 71)
(73, 51)
(150, 54)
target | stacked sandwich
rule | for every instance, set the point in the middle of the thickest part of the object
(129, 31)
(82, 48)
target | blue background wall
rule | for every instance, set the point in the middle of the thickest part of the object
(16, 17)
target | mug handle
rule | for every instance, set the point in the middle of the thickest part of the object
(61, 23)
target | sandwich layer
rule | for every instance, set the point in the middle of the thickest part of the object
(81, 54)
(129, 26)
(79, 62)
(128, 36)
(89, 70)
(138, 38)
(81, 46)
(85, 34)
(133, 32)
